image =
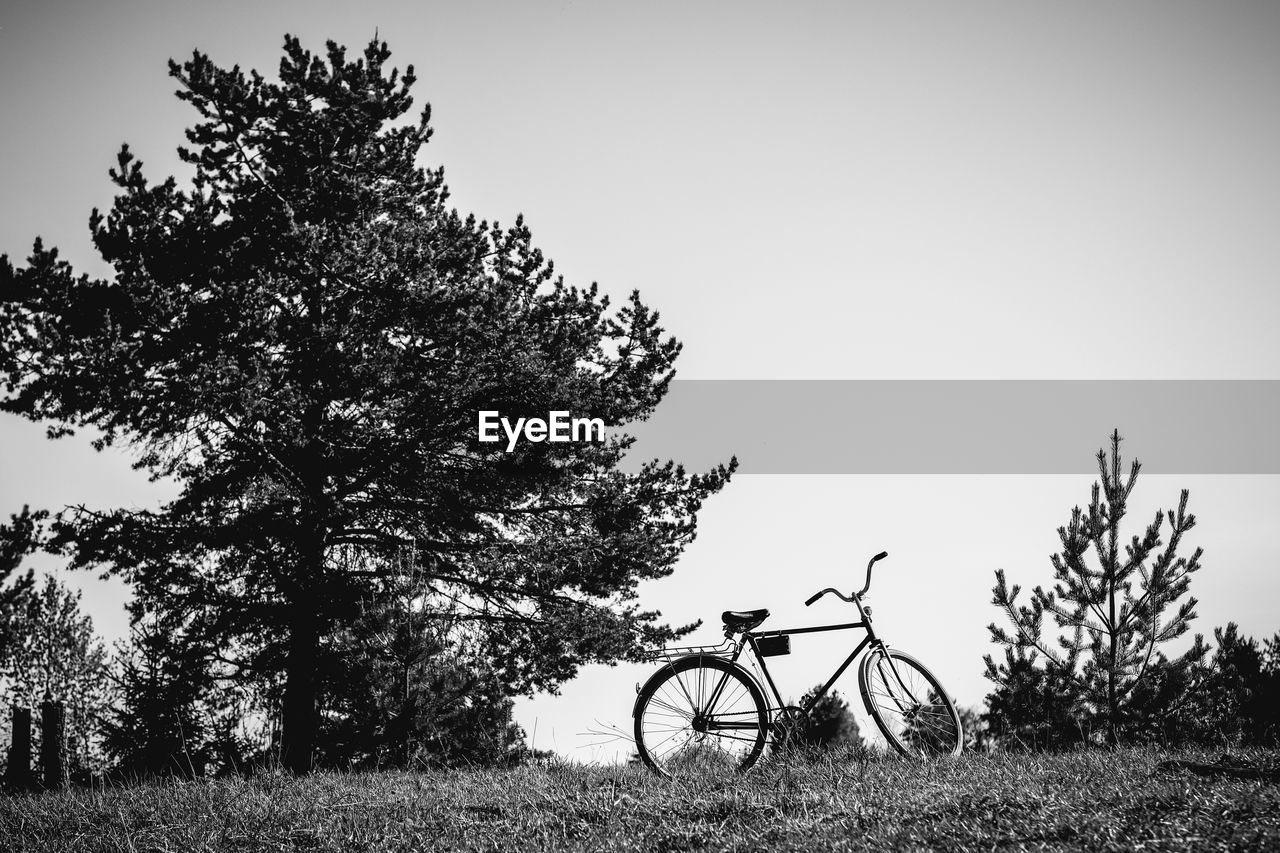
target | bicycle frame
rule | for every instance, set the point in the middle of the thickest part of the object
(749, 641)
(750, 637)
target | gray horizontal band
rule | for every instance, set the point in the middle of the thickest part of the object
(965, 427)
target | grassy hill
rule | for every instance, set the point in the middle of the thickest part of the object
(1082, 801)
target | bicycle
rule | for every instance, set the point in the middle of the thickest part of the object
(704, 710)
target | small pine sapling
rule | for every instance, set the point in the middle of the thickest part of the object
(1114, 612)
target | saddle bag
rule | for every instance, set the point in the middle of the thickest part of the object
(773, 646)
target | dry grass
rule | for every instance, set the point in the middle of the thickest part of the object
(1081, 801)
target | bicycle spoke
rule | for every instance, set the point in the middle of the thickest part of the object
(740, 691)
(680, 683)
(945, 730)
(680, 712)
(657, 745)
(666, 724)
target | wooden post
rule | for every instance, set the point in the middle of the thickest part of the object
(17, 774)
(53, 744)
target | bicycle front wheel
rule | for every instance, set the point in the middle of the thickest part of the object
(909, 706)
(700, 715)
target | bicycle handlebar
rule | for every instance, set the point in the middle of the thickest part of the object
(818, 595)
(867, 585)
(850, 598)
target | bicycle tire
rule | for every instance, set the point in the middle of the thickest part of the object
(909, 705)
(669, 713)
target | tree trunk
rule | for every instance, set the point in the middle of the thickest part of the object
(1113, 739)
(298, 712)
(1116, 500)
(18, 771)
(53, 745)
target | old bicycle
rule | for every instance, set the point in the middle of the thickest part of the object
(703, 709)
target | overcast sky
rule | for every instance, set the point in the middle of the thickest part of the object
(841, 190)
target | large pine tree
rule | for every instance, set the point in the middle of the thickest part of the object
(303, 338)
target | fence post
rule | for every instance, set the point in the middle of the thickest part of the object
(17, 773)
(53, 744)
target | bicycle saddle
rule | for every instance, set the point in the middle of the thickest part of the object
(743, 620)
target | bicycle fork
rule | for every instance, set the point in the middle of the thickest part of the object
(885, 656)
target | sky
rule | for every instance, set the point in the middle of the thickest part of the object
(918, 190)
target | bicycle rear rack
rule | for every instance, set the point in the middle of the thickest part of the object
(724, 648)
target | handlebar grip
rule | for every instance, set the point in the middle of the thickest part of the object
(813, 598)
(880, 556)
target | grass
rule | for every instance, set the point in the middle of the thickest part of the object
(1091, 800)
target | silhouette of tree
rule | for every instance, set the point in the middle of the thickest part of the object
(831, 721)
(53, 653)
(1034, 707)
(1109, 664)
(829, 724)
(1234, 696)
(977, 734)
(18, 539)
(162, 723)
(412, 684)
(303, 340)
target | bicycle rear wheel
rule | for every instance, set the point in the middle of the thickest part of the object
(909, 706)
(700, 715)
